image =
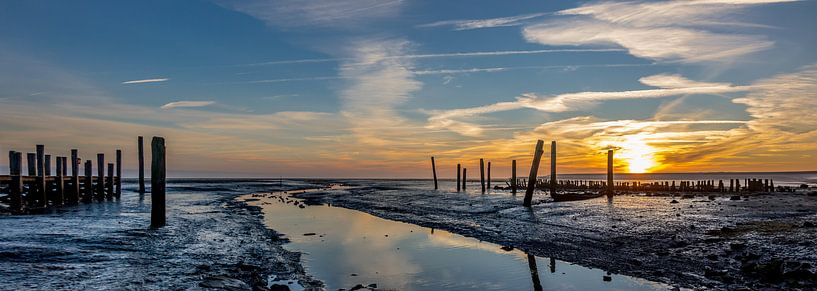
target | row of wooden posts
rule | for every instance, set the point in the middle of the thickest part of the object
(609, 187)
(39, 189)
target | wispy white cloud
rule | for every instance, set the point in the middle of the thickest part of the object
(643, 29)
(467, 24)
(319, 13)
(186, 104)
(156, 80)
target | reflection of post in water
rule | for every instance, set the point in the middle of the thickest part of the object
(432, 231)
(534, 273)
(552, 265)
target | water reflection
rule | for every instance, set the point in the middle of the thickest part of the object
(351, 247)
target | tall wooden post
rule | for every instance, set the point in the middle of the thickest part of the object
(610, 189)
(488, 181)
(464, 177)
(157, 182)
(458, 177)
(32, 164)
(47, 165)
(513, 177)
(482, 174)
(100, 178)
(141, 165)
(88, 195)
(552, 168)
(41, 193)
(118, 179)
(59, 196)
(74, 175)
(109, 183)
(16, 186)
(434, 172)
(64, 166)
(534, 169)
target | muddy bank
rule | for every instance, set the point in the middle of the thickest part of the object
(210, 240)
(758, 242)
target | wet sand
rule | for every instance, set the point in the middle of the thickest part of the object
(759, 241)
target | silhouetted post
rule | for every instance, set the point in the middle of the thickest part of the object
(32, 164)
(157, 182)
(458, 177)
(47, 165)
(64, 166)
(772, 189)
(88, 195)
(141, 165)
(482, 174)
(534, 273)
(74, 175)
(434, 171)
(610, 189)
(488, 182)
(464, 178)
(109, 182)
(513, 177)
(118, 179)
(40, 176)
(16, 185)
(534, 168)
(100, 178)
(552, 168)
(59, 197)
(552, 265)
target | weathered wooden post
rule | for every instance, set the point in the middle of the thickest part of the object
(552, 168)
(534, 168)
(100, 178)
(59, 196)
(109, 182)
(64, 166)
(458, 177)
(513, 177)
(464, 178)
(434, 171)
(32, 164)
(157, 182)
(610, 186)
(488, 182)
(74, 176)
(16, 185)
(47, 165)
(40, 181)
(118, 179)
(482, 174)
(88, 195)
(141, 165)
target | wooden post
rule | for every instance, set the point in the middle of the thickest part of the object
(157, 182)
(434, 172)
(141, 166)
(118, 179)
(513, 177)
(16, 185)
(610, 188)
(488, 182)
(88, 195)
(47, 165)
(100, 176)
(552, 168)
(59, 196)
(534, 168)
(464, 178)
(32, 164)
(40, 184)
(74, 175)
(64, 166)
(482, 174)
(458, 177)
(109, 182)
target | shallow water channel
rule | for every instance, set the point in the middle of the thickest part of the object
(344, 248)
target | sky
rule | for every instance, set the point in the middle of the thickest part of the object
(374, 88)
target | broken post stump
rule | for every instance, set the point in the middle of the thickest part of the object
(513, 177)
(488, 181)
(88, 182)
(74, 176)
(464, 178)
(40, 180)
(552, 168)
(482, 174)
(610, 189)
(16, 185)
(458, 177)
(434, 172)
(157, 182)
(109, 182)
(534, 168)
(141, 156)
(100, 178)
(59, 194)
(118, 180)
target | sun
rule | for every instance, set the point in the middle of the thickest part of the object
(637, 154)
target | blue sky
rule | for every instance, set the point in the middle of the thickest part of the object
(372, 88)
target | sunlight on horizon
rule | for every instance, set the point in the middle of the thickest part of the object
(637, 154)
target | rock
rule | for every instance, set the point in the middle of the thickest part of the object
(357, 287)
(734, 198)
(673, 201)
(372, 286)
(309, 234)
(607, 278)
(279, 287)
(507, 248)
(353, 274)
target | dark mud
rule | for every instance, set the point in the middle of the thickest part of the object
(762, 241)
(210, 240)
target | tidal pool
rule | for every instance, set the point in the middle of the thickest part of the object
(344, 248)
